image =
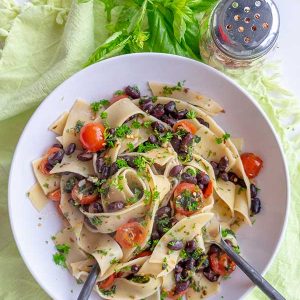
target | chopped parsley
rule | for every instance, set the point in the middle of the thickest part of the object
(121, 163)
(137, 193)
(183, 254)
(109, 292)
(164, 265)
(165, 137)
(153, 244)
(197, 139)
(114, 261)
(110, 139)
(103, 252)
(96, 220)
(147, 198)
(191, 172)
(140, 279)
(236, 249)
(60, 256)
(104, 115)
(163, 295)
(223, 139)
(168, 90)
(119, 92)
(95, 106)
(147, 146)
(147, 124)
(79, 124)
(46, 185)
(122, 131)
(227, 231)
(130, 147)
(191, 115)
(70, 184)
(141, 163)
(136, 124)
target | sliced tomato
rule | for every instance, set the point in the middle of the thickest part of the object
(107, 283)
(92, 137)
(208, 190)
(55, 195)
(130, 235)
(252, 164)
(52, 150)
(144, 253)
(84, 195)
(183, 186)
(43, 164)
(186, 125)
(116, 98)
(221, 263)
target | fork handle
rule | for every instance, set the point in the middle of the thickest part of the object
(255, 277)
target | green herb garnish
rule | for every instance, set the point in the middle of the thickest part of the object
(223, 139)
(121, 163)
(136, 124)
(104, 115)
(168, 90)
(130, 147)
(60, 256)
(191, 115)
(122, 131)
(95, 106)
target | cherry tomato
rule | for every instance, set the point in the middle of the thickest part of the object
(144, 253)
(107, 283)
(186, 125)
(173, 296)
(92, 136)
(130, 235)
(182, 187)
(84, 195)
(221, 263)
(116, 98)
(55, 195)
(252, 164)
(208, 190)
(43, 164)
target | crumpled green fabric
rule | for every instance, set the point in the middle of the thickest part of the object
(46, 41)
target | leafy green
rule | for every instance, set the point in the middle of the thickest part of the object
(60, 256)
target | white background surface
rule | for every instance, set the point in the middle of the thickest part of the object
(289, 43)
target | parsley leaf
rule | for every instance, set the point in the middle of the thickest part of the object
(147, 146)
(121, 163)
(227, 231)
(136, 124)
(130, 147)
(60, 257)
(147, 124)
(79, 124)
(95, 106)
(104, 115)
(122, 131)
(191, 115)
(223, 139)
(168, 90)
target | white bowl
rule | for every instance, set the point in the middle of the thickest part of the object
(243, 118)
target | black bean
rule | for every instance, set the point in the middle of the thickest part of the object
(147, 106)
(169, 120)
(223, 163)
(105, 170)
(253, 190)
(115, 206)
(177, 277)
(210, 274)
(130, 161)
(201, 121)
(185, 274)
(95, 208)
(181, 114)
(188, 178)
(173, 221)
(242, 183)
(57, 145)
(163, 211)
(178, 269)
(112, 131)
(89, 223)
(56, 157)
(175, 142)
(233, 177)
(201, 186)
(170, 107)
(158, 127)
(48, 166)
(190, 246)
(99, 164)
(255, 206)
(135, 268)
(133, 92)
(158, 111)
(155, 235)
(215, 167)
(224, 176)
(152, 139)
(202, 178)
(175, 245)
(113, 169)
(186, 141)
(70, 149)
(228, 242)
(214, 249)
(175, 170)
(189, 264)
(181, 287)
(201, 264)
(85, 156)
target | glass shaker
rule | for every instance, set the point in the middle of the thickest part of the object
(239, 33)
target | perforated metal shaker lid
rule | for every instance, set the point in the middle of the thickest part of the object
(245, 29)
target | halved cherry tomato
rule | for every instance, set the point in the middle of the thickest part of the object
(184, 186)
(144, 253)
(107, 283)
(221, 263)
(186, 125)
(173, 296)
(43, 164)
(130, 234)
(181, 188)
(116, 98)
(55, 195)
(252, 164)
(208, 190)
(84, 195)
(92, 136)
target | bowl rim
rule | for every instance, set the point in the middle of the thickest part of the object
(183, 59)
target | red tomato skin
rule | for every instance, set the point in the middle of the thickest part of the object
(92, 137)
(221, 263)
(55, 195)
(84, 199)
(187, 125)
(184, 186)
(252, 164)
(208, 190)
(107, 283)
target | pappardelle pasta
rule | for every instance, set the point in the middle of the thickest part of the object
(142, 183)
